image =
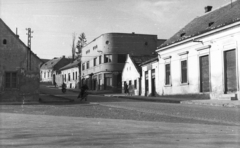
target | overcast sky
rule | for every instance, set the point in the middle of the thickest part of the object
(54, 21)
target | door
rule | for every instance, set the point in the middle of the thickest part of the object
(153, 87)
(230, 77)
(204, 74)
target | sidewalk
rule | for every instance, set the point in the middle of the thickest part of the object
(223, 103)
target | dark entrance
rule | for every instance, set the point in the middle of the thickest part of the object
(153, 82)
(146, 83)
(230, 71)
(204, 74)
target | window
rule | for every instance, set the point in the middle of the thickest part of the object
(10, 80)
(73, 75)
(95, 47)
(107, 58)
(88, 51)
(65, 77)
(48, 74)
(121, 58)
(100, 59)
(44, 74)
(83, 66)
(87, 64)
(135, 84)
(94, 61)
(68, 76)
(184, 71)
(107, 42)
(76, 75)
(4, 41)
(167, 74)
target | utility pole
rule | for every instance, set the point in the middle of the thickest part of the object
(29, 34)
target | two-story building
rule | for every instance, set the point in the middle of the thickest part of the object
(104, 57)
(203, 58)
(19, 68)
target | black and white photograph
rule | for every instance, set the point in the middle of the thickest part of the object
(119, 73)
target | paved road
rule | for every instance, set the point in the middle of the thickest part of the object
(186, 111)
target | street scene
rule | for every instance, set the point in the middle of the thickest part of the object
(120, 74)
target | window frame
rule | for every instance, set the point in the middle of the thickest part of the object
(168, 83)
(11, 80)
(108, 58)
(186, 71)
(95, 62)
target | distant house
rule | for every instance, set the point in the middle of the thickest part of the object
(150, 75)
(132, 72)
(203, 57)
(19, 68)
(51, 69)
(70, 74)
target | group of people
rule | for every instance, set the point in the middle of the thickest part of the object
(128, 89)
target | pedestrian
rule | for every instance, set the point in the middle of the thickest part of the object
(131, 90)
(63, 87)
(125, 88)
(82, 93)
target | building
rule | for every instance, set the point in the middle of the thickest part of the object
(103, 58)
(203, 57)
(70, 74)
(19, 68)
(149, 79)
(50, 71)
(132, 72)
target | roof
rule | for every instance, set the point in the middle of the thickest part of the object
(51, 63)
(137, 60)
(71, 65)
(45, 60)
(149, 61)
(212, 20)
(19, 39)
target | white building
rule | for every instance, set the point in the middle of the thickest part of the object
(203, 57)
(70, 74)
(149, 80)
(131, 73)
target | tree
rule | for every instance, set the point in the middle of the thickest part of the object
(82, 41)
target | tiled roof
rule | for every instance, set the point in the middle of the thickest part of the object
(50, 64)
(218, 18)
(149, 61)
(71, 65)
(137, 60)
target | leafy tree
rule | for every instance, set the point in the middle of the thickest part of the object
(82, 41)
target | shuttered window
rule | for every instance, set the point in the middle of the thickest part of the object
(10, 80)
(184, 71)
(167, 74)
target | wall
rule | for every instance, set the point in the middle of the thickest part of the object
(73, 83)
(15, 57)
(218, 43)
(130, 73)
(149, 67)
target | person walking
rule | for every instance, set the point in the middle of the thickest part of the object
(83, 94)
(131, 89)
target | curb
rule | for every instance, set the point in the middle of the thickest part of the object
(151, 100)
(230, 105)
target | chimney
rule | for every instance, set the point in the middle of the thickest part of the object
(208, 9)
(17, 33)
(63, 56)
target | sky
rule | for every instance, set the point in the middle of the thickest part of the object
(55, 21)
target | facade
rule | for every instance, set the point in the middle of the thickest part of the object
(19, 68)
(203, 57)
(103, 59)
(132, 72)
(50, 71)
(150, 81)
(70, 74)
